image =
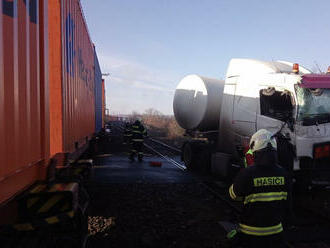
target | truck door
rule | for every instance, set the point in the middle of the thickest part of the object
(226, 138)
(244, 116)
(274, 108)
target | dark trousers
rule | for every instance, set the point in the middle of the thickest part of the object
(137, 149)
(126, 139)
(251, 241)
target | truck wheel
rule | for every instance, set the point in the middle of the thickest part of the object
(205, 160)
(189, 156)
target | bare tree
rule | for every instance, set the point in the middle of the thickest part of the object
(134, 116)
(152, 112)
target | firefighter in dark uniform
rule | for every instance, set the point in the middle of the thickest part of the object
(265, 189)
(127, 133)
(138, 133)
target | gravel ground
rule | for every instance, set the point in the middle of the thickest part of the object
(155, 215)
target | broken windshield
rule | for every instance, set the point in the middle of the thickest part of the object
(313, 105)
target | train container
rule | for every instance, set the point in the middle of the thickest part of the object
(55, 77)
(24, 136)
(47, 88)
(98, 95)
(103, 102)
(74, 81)
(77, 77)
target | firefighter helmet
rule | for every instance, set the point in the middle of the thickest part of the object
(261, 140)
(137, 122)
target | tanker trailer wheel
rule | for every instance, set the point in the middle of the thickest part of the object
(189, 156)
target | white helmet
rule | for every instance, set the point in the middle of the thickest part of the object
(261, 139)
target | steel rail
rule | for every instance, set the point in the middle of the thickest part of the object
(184, 168)
(172, 161)
(165, 145)
(222, 197)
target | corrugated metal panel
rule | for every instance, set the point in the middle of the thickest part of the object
(44, 81)
(98, 94)
(55, 77)
(103, 102)
(23, 142)
(2, 96)
(78, 77)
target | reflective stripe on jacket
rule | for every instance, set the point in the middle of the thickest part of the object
(266, 197)
(138, 133)
(261, 231)
(265, 190)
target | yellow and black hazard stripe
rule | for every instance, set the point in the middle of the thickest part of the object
(40, 223)
(38, 188)
(42, 205)
(57, 198)
(82, 171)
(78, 171)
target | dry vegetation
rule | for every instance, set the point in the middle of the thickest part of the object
(161, 126)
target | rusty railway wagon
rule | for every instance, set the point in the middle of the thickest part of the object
(51, 103)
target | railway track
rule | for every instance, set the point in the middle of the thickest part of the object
(311, 229)
(312, 223)
(177, 150)
(167, 158)
(221, 192)
(167, 152)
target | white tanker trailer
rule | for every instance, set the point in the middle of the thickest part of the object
(220, 117)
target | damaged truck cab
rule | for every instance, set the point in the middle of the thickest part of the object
(289, 101)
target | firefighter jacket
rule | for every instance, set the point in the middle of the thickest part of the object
(128, 131)
(265, 189)
(138, 132)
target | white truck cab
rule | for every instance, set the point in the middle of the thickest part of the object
(281, 97)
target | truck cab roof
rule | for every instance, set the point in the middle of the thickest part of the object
(239, 67)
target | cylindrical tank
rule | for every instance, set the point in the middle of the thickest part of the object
(197, 103)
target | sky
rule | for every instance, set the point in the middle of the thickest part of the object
(148, 46)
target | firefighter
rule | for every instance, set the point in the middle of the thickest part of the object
(265, 189)
(127, 133)
(138, 134)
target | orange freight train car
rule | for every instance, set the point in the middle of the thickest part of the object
(24, 131)
(47, 99)
(103, 102)
(72, 116)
